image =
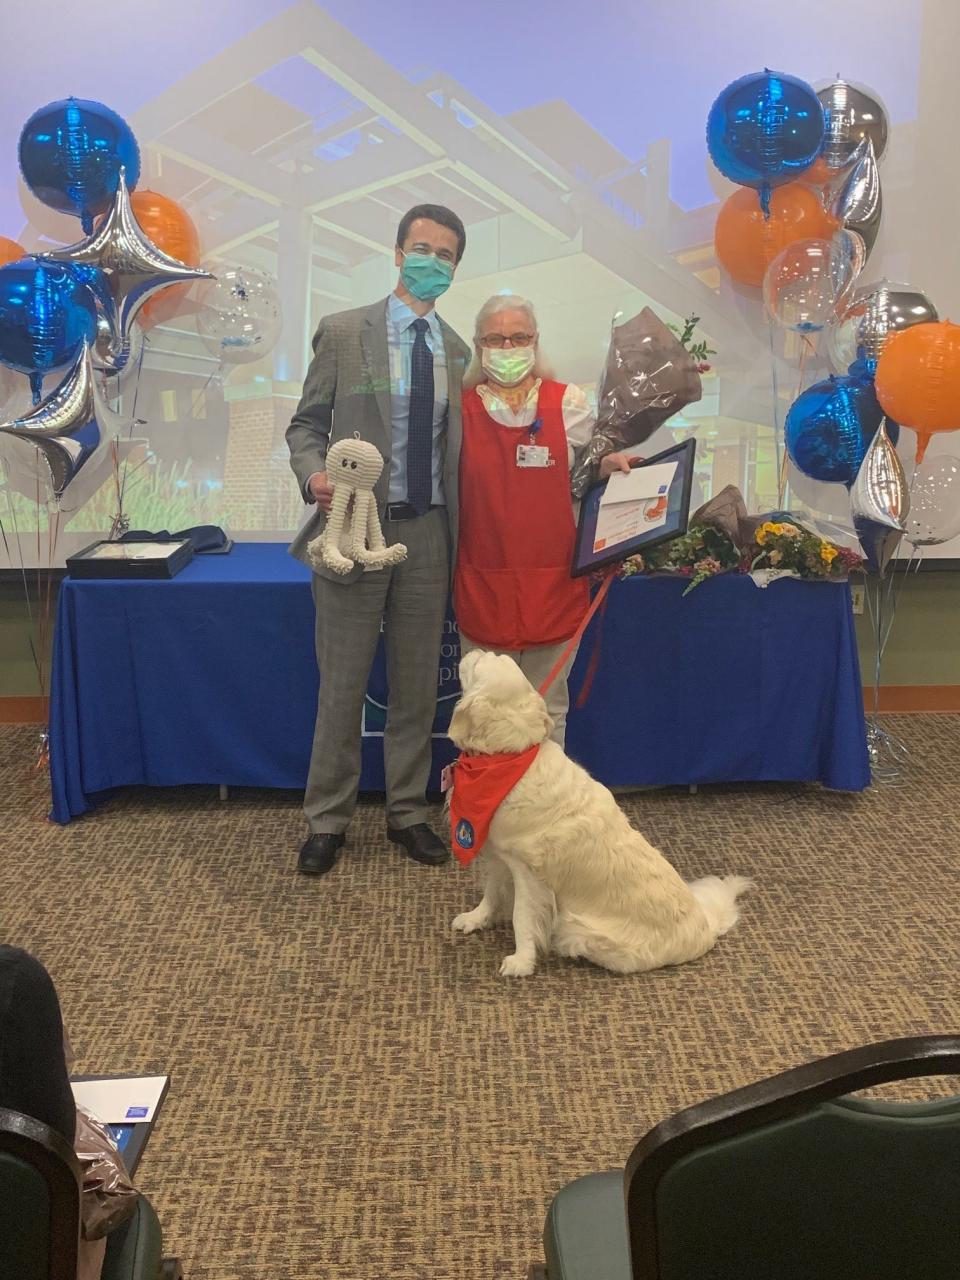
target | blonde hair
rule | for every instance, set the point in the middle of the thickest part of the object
(493, 306)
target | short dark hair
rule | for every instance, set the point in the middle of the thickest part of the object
(436, 213)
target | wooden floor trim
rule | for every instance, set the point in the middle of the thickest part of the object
(893, 698)
(23, 710)
(915, 697)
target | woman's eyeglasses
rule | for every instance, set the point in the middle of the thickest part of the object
(496, 340)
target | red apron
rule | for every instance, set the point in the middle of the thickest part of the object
(512, 587)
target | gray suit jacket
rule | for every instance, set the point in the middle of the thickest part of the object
(346, 391)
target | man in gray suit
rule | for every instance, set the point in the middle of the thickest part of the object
(390, 373)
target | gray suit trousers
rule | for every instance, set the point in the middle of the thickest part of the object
(410, 599)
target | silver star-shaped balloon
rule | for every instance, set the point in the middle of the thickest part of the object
(72, 428)
(125, 269)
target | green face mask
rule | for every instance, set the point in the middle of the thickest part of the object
(508, 365)
(425, 276)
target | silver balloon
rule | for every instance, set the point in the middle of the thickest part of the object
(239, 318)
(934, 515)
(71, 428)
(870, 315)
(124, 269)
(880, 501)
(850, 113)
(856, 200)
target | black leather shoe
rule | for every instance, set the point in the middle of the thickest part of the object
(420, 844)
(319, 853)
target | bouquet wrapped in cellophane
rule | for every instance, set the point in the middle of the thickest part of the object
(648, 376)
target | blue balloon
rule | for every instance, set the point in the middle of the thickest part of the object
(830, 425)
(71, 153)
(46, 315)
(764, 130)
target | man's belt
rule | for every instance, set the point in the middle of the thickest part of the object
(403, 511)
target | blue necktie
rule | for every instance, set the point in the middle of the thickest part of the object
(420, 424)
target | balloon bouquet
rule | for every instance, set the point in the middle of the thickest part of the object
(82, 313)
(84, 310)
(801, 238)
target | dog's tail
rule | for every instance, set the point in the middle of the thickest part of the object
(718, 896)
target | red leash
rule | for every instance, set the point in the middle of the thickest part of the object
(598, 600)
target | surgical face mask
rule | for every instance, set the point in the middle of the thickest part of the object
(425, 276)
(508, 365)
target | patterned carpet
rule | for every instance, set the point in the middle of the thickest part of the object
(358, 1094)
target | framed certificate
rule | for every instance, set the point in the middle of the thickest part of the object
(628, 514)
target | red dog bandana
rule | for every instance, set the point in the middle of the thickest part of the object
(480, 785)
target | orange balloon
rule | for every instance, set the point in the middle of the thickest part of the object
(171, 228)
(918, 379)
(10, 251)
(819, 173)
(746, 242)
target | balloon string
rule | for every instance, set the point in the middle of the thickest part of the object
(198, 398)
(897, 591)
(11, 507)
(779, 446)
(133, 419)
(808, 349)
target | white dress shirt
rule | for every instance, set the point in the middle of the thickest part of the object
(400, 339)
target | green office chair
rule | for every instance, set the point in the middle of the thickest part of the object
(787, 1179)
(40, 1213)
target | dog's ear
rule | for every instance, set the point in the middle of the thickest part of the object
(534, 717)
(463, 723)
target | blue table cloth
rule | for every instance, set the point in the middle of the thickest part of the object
(211, 678)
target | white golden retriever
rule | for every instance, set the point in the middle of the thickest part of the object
(562, 860)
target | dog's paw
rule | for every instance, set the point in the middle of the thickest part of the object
(469, 922)
(517, 966)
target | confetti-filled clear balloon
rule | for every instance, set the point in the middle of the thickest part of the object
(805, 282)
(934, 502)
(240, 317)
(867, 318)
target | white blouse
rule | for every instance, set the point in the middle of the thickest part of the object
(579, 419)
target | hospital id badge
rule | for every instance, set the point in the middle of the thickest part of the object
(533, 455)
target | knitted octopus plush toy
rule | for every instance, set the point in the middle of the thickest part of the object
(352, 534)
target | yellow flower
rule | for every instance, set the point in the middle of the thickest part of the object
(790, 530)
(827, 552)
(765, 530)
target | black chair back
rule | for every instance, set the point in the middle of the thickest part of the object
(39, 1201)
(789, 1178)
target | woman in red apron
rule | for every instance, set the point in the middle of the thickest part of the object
(512, 588)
